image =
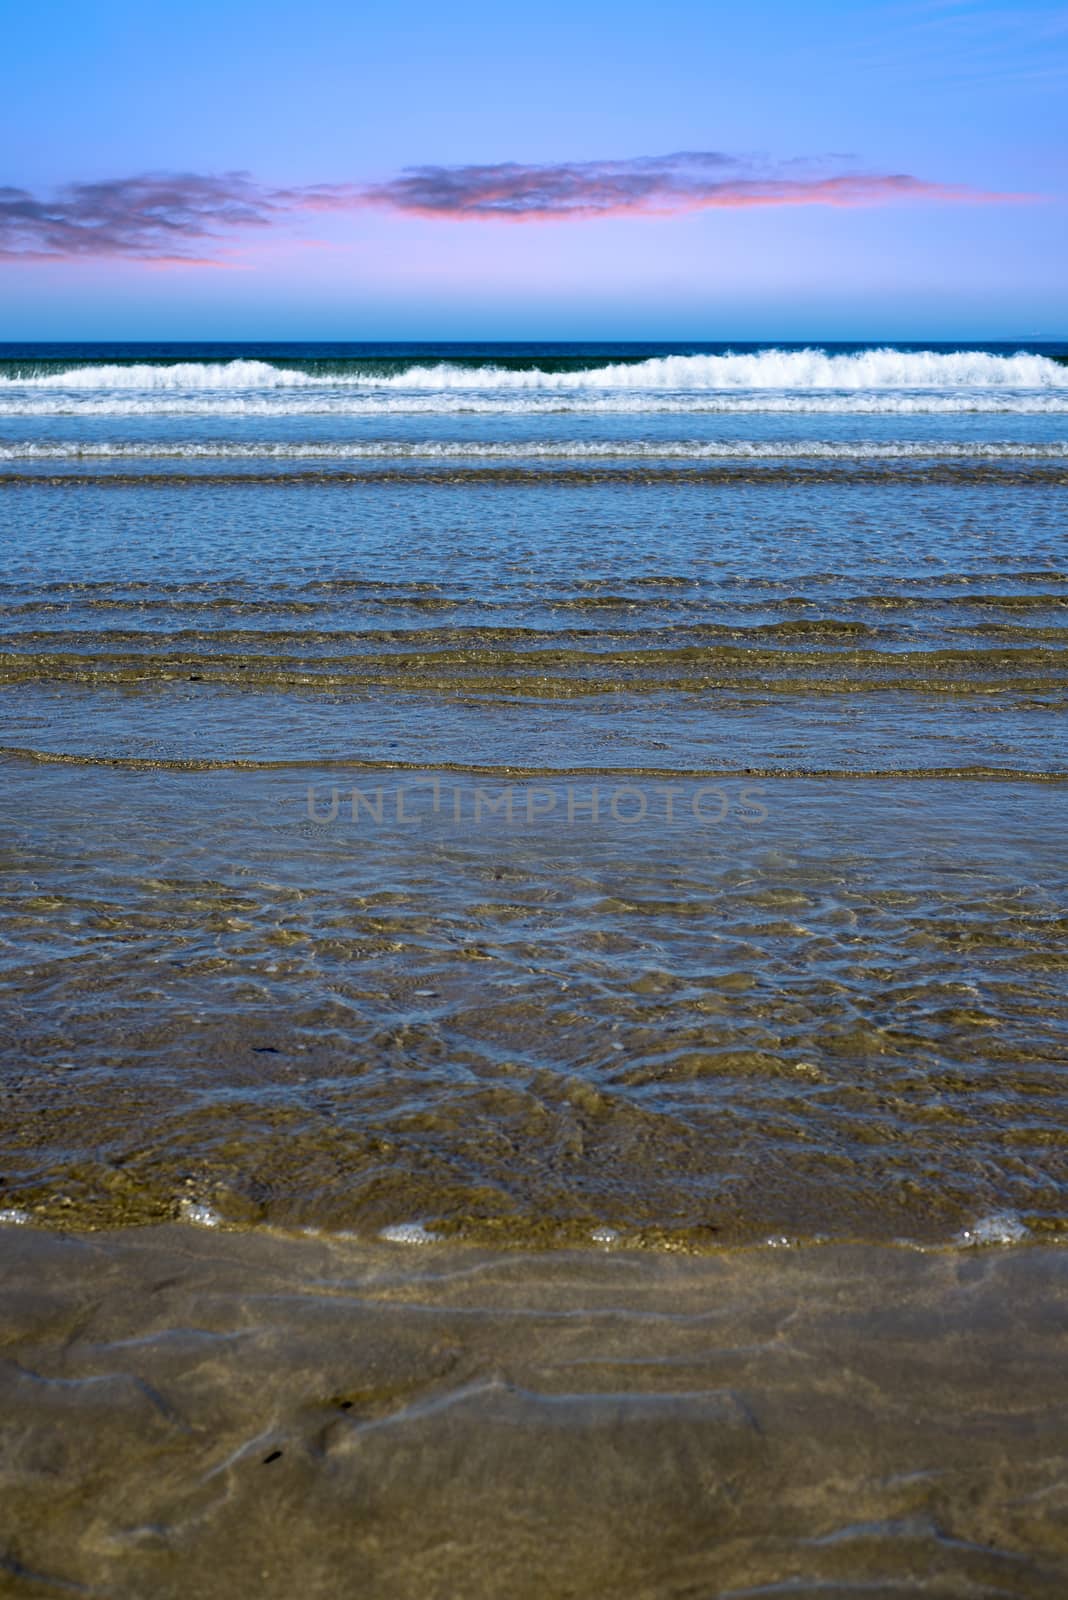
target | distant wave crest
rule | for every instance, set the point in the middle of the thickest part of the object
(794, 370)
(182, 375)
(866, 382)
(790, 370)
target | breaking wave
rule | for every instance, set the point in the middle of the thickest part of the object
(792, 370)
(883, 381)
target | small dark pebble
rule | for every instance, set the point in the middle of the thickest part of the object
(272, 1457)
(266, 1050)
(344, 1405)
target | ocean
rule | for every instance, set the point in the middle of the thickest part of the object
(575, 826)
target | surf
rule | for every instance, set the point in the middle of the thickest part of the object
(791, 371)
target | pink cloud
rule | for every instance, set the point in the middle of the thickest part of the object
(183, 219)
(160, 217)
(644, 186)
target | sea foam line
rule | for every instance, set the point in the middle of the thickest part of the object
(459, 450)
(775, 369)
(647, 403)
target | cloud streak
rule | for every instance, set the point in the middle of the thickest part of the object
(649, 186)
(188, 218)
(153, 217)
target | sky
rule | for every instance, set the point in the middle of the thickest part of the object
(689, 171)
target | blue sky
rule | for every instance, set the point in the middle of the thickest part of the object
(802, 229)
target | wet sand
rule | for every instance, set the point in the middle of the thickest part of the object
(188, 1412)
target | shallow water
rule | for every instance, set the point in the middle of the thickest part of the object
(217, 1414)
(539, 875)
(801, 1007)
(527, 792)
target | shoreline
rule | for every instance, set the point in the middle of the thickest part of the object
(526, 1238)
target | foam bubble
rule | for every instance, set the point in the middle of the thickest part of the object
(605, 1236)
(199, 1214)
(13, 1216)
(1001, 1227)
(406, 1233)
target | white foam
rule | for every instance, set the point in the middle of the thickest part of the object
(199, 1214)
(1000, 1227)
(563, 450)
(765, 369)
(406, 1233)
(605, 1236)
(13, 1217)
(918, 403)
(875, 381)
(180, 375)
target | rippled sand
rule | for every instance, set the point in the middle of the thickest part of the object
(194, 1413)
